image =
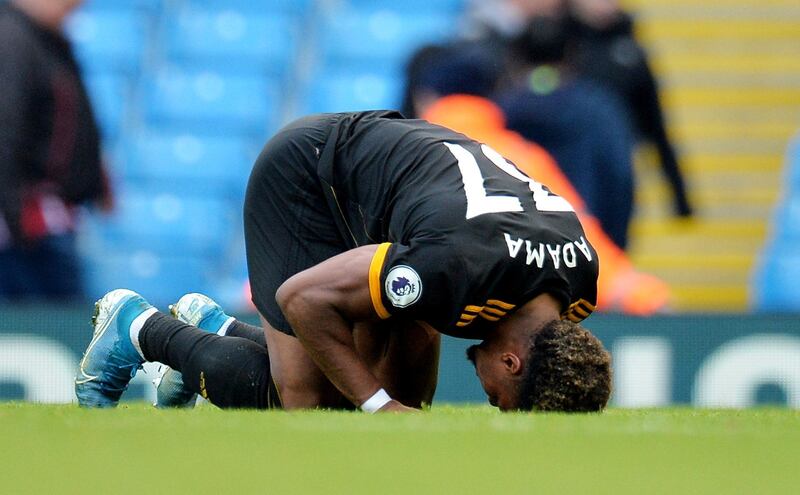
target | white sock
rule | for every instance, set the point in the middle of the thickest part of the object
(224, 328)
(137, 326)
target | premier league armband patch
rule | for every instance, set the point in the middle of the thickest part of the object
(403, 286)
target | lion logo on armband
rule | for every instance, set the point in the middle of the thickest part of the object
(403, 286)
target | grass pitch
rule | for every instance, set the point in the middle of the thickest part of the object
(463, 450)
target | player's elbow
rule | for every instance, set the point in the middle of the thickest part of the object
(295, 298)
(287, 295)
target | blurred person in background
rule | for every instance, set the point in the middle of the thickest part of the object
(49, 152)
(451, 86)
(506, 19)
(461, 66)
(604, 49)
(495, 24)
(582, 125)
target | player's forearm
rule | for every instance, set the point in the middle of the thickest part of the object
(328, 338)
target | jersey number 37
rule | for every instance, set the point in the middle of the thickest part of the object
(480, 203)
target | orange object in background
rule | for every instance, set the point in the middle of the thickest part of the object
(620, 286)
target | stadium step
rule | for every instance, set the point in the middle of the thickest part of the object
(730, 86)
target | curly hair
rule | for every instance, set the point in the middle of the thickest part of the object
(568, 370)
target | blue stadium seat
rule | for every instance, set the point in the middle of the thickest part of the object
(418, 7)
(296, 7)
(346, 92)
(185, 163)
(229, 40)
(786, 223)
(210, 103)
(108, 41)
(160, 279)
(775, 287)
(123, 5)
(109, 96)
(167, 224)
(379, 39)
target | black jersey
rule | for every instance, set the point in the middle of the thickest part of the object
(463, 233)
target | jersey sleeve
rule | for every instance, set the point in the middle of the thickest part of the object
(418, 281)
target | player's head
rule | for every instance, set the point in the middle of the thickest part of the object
(564, 368)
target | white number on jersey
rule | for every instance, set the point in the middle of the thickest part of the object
(480, 203)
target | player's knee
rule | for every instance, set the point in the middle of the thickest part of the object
(288, 294)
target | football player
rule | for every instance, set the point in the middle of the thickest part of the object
(367, 236)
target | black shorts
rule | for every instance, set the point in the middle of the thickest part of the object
(288, 225)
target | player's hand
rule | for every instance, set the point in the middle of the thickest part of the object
(396, 407)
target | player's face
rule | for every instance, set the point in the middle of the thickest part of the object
(500, 385)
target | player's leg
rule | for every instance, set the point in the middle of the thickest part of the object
(111, 358)
(229, 371)
(202, 312)
(289, 228)
(247, 331)
(199, 310)
(299, 382)
(404, 356)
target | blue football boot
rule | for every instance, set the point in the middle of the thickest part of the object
(111, 359)
(199, 311)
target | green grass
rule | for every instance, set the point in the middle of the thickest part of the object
(459, 450)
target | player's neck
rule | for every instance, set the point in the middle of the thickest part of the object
(521, 326)
(543, 308)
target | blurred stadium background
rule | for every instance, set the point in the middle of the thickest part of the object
(187, 91)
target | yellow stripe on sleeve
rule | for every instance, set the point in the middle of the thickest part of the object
(493, 311)
(580, 311)
(375, 268)
(500, 304)
(574, 318)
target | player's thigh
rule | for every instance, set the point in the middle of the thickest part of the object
(404, 356)
(299, 381)
(288, 226)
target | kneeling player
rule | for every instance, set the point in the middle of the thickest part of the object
(353, 219)
(220, 358)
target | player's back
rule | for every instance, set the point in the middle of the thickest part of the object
(394, 172)
(486, 229)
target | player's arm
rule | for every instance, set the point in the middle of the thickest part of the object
(321, 304)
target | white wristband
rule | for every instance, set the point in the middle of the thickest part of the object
(377, 401)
